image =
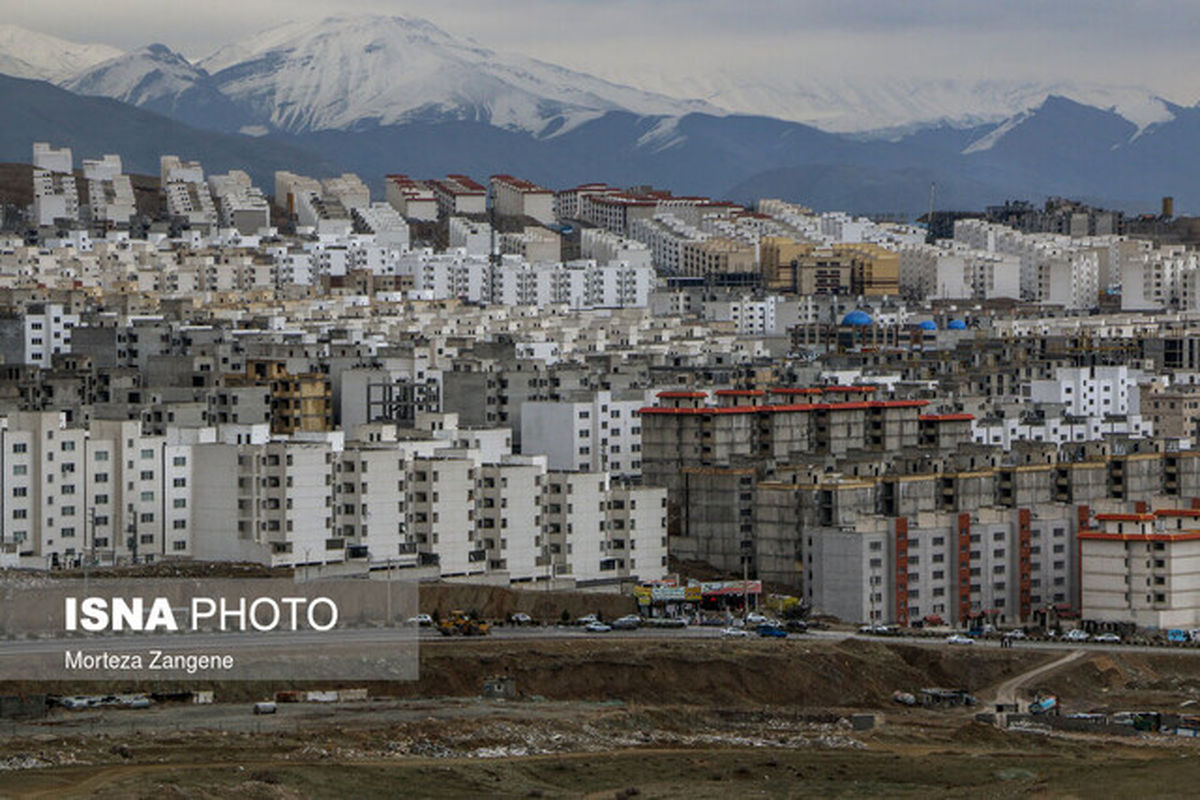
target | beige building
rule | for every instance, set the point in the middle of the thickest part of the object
(1143, 568)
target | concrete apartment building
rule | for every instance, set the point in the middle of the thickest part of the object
(459, 195)
(36, 335)
(240, 204)
(412, 199)
(599, 432)
(515, 197)
(1143, 567)
(110, 200)
(443, 500)
(55, 194)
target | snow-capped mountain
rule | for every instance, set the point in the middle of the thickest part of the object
(26, 54)
(158, 79)
(891, 107)
(139, 78)
(344, 73)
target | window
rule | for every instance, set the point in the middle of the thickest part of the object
(101, 455)
(67, 446)
(147, 453)
(179, 545)
(20, 469)
(20, 447)
(179, 502)
(179, 483)
(179, 461)
(20, 491)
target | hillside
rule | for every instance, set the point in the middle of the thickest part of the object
(90, 126)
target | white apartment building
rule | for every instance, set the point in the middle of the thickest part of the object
(240, 204)
(605, 247)
(514, 197)
(103, 493)
(533, 245)
(187, 192)
(384, 223)
(412, 199)
(110, 193)
(55, 195)
(596, 532)
(598, 434)
(1091, 391)
(1142, 568)
(348, 189)
(473, 237)
(459, 194)
(772, 315)
(37, 335)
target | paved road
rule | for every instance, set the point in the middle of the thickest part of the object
(395, 636)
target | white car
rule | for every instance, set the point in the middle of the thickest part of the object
(1077, 635)
(423, 620)
(958, 638)
(1015, 634)
(755, 619)
(587, 619)
(1107, 638)
(734, 633)
(597, 627)
(521, 618)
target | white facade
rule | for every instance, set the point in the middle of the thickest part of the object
(599, 435)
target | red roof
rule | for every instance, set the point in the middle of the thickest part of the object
(1126, 517)
(947, 417)
(790, 390)
(739, 393)
(682, 395)
(1178, 536)
(772, 409)
(1178, 512)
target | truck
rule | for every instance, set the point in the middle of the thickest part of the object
(459, 623)
(1043, 704)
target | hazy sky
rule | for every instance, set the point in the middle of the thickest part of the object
(1148, 42)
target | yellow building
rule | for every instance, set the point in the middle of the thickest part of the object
(803, 268)
(300, 403)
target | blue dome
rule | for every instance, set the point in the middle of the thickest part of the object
(857, 317)
(956, 325)
(927, 325)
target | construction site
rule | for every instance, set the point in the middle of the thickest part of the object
(547, 709)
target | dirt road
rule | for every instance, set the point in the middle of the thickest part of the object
(1006, 692)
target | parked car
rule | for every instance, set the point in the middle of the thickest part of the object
(596, 626)
(265, 707)
(796, 626)
(754, 618)
(521, 618)
(876, 629)
(423, 620)
(1077, 635)
(734, 633)
(1015, 634)
(629, 622)
(958, 638)
(1107, 638)
(587, 619)
(768, 631)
